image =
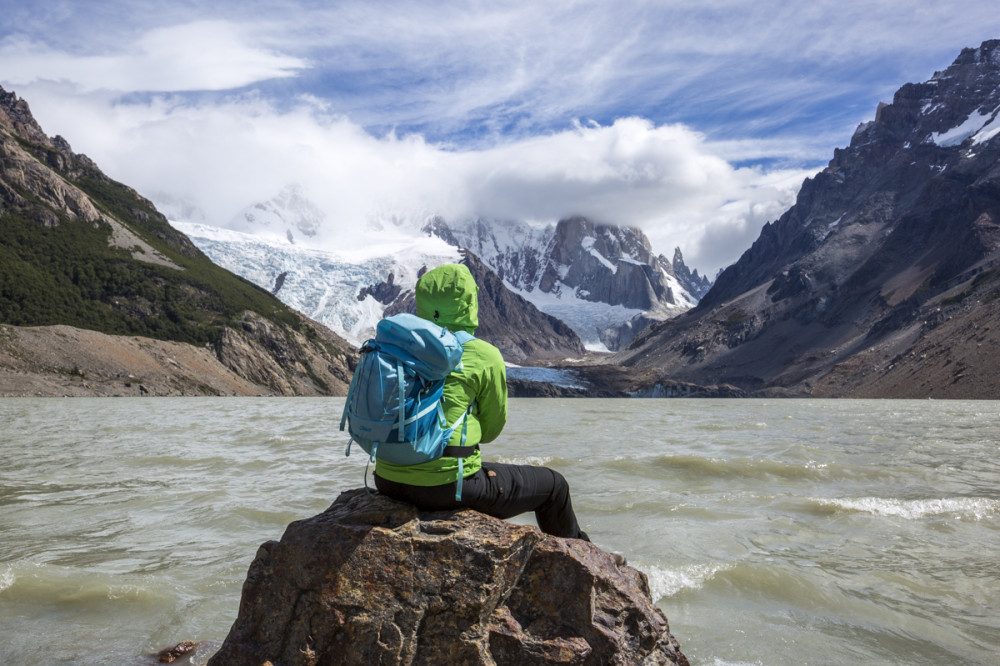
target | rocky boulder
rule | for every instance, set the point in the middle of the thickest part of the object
(375, 581)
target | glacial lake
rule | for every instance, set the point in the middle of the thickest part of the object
(773, 532)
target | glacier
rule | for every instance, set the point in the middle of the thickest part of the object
(322, 284)
(275, 245)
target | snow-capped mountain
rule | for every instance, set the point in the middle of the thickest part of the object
(331, 288)
(350, 294)
(602, 280)
(289, 216)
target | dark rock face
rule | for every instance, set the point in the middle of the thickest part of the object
(581, 257)
(516, 327)
(600, 263)
(900, 232)
(279, 282)
(374, 581)
(383, 292)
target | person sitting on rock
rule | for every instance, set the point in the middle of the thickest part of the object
(448, 296)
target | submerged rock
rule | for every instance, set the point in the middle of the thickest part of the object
(170, 655)
(375, 581)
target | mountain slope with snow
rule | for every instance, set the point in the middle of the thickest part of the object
(325, 286)
(288, 216)
(604, 281)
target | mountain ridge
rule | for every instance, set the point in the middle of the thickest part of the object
(883, 280)
(79, 249)
(603, 280)
(348, 291)
(897, 236)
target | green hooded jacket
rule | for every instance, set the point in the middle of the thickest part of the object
(448, 296)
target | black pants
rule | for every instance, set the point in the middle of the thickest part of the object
(502, 491)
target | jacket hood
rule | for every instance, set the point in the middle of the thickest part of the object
(448, 296)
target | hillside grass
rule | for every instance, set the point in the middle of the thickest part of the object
(70, 274)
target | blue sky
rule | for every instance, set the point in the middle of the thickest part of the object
(695, 120)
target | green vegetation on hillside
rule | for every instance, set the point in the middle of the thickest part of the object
(69, 274)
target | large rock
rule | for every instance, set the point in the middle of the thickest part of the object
(375, 581)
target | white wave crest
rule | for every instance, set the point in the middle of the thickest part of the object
(525, 460)
(6, 578)
(664, 582)
(974, 508)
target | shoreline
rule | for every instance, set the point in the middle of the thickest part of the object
(63, 361)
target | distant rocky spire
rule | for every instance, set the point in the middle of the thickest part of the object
(696, 285)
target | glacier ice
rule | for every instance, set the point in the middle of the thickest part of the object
(323, 285)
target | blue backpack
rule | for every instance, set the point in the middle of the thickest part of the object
(393, 407)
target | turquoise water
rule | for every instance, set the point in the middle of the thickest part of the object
(772, 532)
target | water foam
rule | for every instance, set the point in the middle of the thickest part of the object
(6, 578)
(665, 582)
(974, 508)
(525, 460)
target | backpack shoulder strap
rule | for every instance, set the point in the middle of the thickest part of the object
(464, 337)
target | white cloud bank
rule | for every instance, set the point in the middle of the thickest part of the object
(285, 90)
(286, 95)
(222, 157)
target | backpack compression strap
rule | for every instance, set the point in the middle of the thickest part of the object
(401, 379)
(462, 451)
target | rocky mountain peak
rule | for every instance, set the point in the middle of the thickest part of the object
(596, 277)
(609, 240)
(694, 284)
(605, 263)
(933, 132)
(903, 220)
(16, 115)
(951, 107)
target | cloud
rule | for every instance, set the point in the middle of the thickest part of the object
(696, 120)
(224, 156)
(203, 55)
(456, 71)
